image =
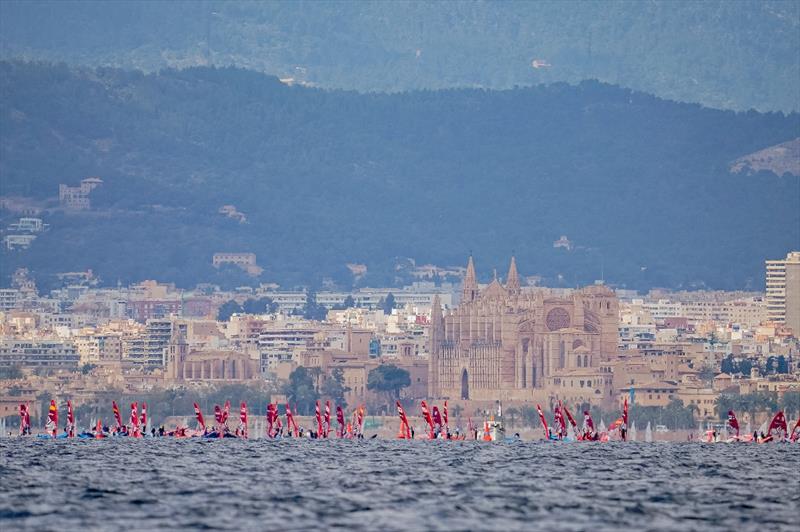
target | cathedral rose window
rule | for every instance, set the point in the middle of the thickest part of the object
(558, 318)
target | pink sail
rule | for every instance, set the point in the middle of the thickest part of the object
(444, 415)
(327, 421)
(143, 419)
(569, 417)
(70, 420)
(795, 431)
(319, 420)
(340, 421)
(778, 426)
(405, 428)
(242, 430)
(23, 419)
(117, 416)
(135, 420)
(199, 415)
(291, 424)
(427, 416)
(544, 421)
(733, 423)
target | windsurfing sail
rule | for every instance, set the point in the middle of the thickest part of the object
(340, 420)
(70, 420)
(569, 417)
(117, 416)
(199, 415)
(427, 416)
(327, 420)
(733, 423)
(624, 427)
(143, 418)
(52, 418)
(405, 428)
(291, 424)
(444, 415)
(588, 425)
(272, 414)
(437, 418)
(318, 413)
(544, 421)
(794, 437)
(135, 420)
(226, 412)
(242, 430)
(24, 420)
(778, 429)
(558, 421)
(360, 422)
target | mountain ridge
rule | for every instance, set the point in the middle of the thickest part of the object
(328, 177)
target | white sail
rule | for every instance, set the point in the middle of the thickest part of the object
(632, 432)
(648, 433)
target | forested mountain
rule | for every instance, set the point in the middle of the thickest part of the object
(723, 54)
(640, 185)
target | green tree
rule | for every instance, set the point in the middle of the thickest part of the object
(457, 411)
(263, 305)
(389, 380)
(228, 309)
(388, 303)
(301, 390)
(333, 388)
(790, 403)
(349, 302)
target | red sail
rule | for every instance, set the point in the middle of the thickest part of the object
(569, 417)
(70, 420)
(271, 415)
(795, 431)
(52, 418)
(778, 425)
(544, 421)
(427, 416)
(733, 423)
(144, 416)
(588, 422)
(340, 420)
(444, 414)
(218, 414)
(319, 420)
(117, 415)
(361, 419)
(624, 433)
(405, 428)
(199, 415)
(558, 421)
(437, 417)
(226, 412)
(242, 430)
(24, 421)
(291, 424)
(278, 423)
(327, 421)
(135, 420)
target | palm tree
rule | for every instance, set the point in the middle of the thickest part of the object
(513, 413)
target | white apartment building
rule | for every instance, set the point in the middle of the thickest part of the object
(783, 290)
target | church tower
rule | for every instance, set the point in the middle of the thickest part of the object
(512, 280)
(470, 291)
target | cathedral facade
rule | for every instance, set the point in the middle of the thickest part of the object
(505, 343)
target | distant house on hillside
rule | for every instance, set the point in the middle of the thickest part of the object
(77, 198)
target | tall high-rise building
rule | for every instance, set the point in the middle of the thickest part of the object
(783, 291)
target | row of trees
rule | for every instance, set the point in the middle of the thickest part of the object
(306, 386)
(759, 402)
(744, 366)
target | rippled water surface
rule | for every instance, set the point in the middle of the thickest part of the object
(395, 485)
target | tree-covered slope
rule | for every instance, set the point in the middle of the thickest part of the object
(723, 54)
(641, 185)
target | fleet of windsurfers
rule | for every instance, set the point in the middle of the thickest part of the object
(564, 425)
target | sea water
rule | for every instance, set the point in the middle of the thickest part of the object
(162, 483)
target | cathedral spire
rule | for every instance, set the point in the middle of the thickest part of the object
(512, 280)
(436, 313)
(470, 292)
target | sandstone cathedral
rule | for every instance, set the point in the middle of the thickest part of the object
(509, 343)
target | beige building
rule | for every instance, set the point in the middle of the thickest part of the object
(503, 342)
(783, 291)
